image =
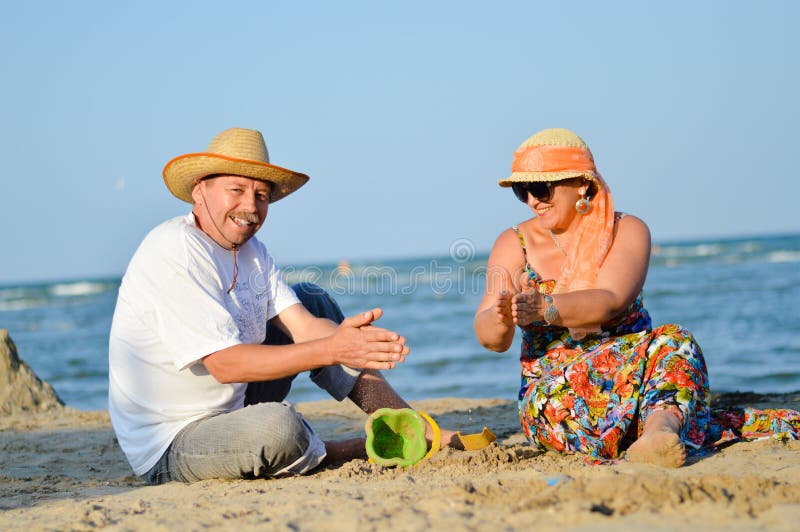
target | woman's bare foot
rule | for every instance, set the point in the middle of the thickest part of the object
(660, 442)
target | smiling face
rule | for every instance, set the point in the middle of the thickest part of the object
(230, 208)
(558, 213)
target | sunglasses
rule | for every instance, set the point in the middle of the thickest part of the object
(541, 190)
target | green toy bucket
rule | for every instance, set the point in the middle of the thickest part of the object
(396, 437)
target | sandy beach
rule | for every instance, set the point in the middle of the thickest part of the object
(62, 470)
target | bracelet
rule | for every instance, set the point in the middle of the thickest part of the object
(551, 313)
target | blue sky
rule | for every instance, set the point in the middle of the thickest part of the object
(404, 114)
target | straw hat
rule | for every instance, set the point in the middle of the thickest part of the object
(235, 151)
(582, 164)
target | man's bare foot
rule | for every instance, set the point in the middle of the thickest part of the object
(449, 439)
(660, 443)
(344, 450)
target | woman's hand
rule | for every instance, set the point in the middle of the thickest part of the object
(527, 307)
(494, 320)
(502, 308)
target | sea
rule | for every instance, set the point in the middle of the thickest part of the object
(740, 297)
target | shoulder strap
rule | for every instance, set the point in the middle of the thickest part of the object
(522, 243)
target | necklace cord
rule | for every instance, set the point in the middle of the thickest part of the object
(557, 243)
(234, 246)
(235, 271)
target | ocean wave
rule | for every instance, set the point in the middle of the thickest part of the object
(79, 288)
(784, 256)
(745, 252)
(683, 252)
(14, 305)
(7, 294)
(777, 377)
(19, 298)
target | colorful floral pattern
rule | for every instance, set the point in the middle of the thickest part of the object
(750, 424)
(589, 395)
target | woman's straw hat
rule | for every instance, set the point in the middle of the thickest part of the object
(235, 151)
(551, 155)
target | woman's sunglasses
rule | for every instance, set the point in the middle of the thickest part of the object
(541, 190)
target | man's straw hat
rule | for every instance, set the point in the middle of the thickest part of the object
(235, 151)
(555, 154)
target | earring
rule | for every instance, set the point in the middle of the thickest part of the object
(583, 205)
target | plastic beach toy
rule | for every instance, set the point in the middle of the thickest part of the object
(396, 437)
(473, 442)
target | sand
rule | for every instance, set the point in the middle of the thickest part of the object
(62, 470)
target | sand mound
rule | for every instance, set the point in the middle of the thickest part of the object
(20, 389)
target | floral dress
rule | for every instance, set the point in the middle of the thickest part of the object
(592, 395)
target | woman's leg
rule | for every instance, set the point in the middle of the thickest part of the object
(673, 408)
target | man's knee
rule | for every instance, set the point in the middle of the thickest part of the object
(291, 428)
(306, 289)
(282, 437)
(318, 301)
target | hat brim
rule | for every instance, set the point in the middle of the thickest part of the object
(182, 173)
(527, 177)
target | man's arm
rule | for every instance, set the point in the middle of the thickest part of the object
(357, 342)
(318, 343)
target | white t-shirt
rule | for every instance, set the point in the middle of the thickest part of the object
(173, 309)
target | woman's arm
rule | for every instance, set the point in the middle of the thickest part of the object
(620, 280)
(494, 325)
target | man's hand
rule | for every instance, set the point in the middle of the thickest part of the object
(359, 344)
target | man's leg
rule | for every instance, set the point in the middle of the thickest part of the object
(261, 440)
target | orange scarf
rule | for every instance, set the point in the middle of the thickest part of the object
(590, 247)
(596, 228)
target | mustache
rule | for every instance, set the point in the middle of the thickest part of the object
(251, 217)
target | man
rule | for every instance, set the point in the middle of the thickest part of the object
(193, 391)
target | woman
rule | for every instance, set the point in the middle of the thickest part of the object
(596, 377)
